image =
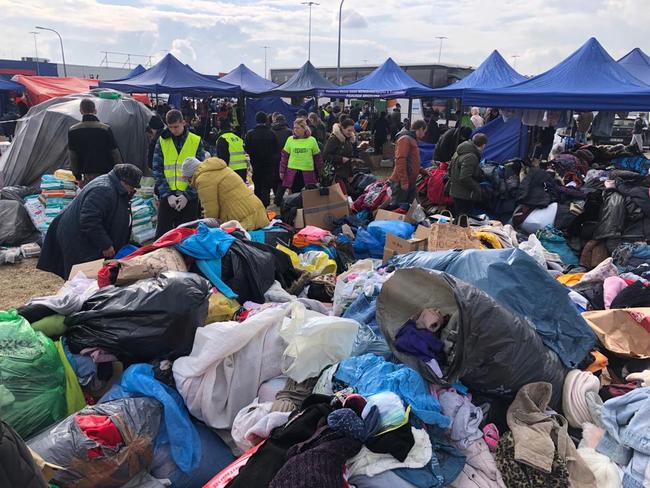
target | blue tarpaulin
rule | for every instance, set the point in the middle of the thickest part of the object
(268, 105)
(250, 82)
(307, 82)
(589, 79)
(494, 72)
(506, 140)
(169, 75)
(514, 280)
(8, 85)
(637, 63)
(426, 153)
(387, 81)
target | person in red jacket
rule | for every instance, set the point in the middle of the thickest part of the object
(407, 164)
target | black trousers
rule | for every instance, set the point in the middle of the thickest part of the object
(264, 183)
(463, 207)
(170, 218)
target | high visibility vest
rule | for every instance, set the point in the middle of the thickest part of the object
(173, 160)
(238, 157)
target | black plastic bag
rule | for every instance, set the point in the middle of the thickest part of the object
(248, 270)
(16, 228)
(289, 208)
(150, 319)
(17, 193)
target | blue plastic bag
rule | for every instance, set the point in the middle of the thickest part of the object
(177, 428)
(367, 246)
(379, 229)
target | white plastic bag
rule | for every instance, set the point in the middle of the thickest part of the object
(534, 248)
(314, 342)
(540, 219)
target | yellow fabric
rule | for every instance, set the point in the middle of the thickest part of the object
(488, 240)
(225, 196)
(74, 397)
(220, 308)
(238, 157)
(570, 279)
(316, 263)
(173, 161)
(301, 153)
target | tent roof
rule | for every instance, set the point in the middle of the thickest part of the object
(169, 75)
(7, 85)
(494, 72)
(42, 88)
(589, 79)
(637, 63)
(306, 82)
(138, 70)
(249, 81)
(387, 81)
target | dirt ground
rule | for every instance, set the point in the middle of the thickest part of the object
(22, 281)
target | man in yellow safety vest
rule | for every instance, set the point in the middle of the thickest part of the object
(230, 148)
(179, 202)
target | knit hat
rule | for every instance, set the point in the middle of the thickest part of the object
(574, 403)
(190, 165)
(347, 422)
(129, 174)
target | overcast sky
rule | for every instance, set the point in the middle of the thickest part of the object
(214, 36)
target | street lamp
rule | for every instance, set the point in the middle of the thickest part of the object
(309, 45)
(38, 68)
(265, 48)
(441, 38)
(65, 70)
(338, 63)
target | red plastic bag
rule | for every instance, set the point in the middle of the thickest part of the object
(436, 186)
(231, 471)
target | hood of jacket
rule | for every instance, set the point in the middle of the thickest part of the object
(210, 164)
(279, 126)
(338, 132)
(468, 147)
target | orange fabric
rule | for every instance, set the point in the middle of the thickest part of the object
(41, 88)
(599, 363)
(405, 149)
(570, 279)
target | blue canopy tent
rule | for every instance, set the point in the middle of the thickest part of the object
(8, 85)
(637, 63)
(138, 70)
(250, 82)
(589, 79)
(494, 72)
(269, 105)
(506, 140)
(387, 81)
(171, 76)
(307, 82)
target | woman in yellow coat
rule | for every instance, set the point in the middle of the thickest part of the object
(223, 194)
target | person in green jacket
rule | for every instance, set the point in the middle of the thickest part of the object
(465, 174)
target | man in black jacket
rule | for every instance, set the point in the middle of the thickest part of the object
(449, 141)
(96, 224)
(261, 145)
(282, 133)
(91, 145)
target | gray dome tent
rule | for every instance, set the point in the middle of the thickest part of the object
(40, 145)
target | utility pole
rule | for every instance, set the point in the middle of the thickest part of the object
(38, 66)
(514, 60)
(65, 70)
(338, 63)
(441, 38)
(310, 4)
(265, 49)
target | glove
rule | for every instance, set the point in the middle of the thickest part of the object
(643, 377)
(172, 200)
(181, 202)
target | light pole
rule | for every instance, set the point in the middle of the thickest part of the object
(265, 48)
(441, 38)
(338, 63)
(65, 70)
(514, 58)
(309, 45)
(38, 67)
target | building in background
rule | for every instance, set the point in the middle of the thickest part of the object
(43, 67)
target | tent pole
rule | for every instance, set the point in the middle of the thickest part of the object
(410, 109)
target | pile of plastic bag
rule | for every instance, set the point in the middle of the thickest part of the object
(56, 195)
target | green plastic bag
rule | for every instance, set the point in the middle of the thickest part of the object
(32, 378)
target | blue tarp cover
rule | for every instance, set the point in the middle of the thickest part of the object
(387, 81)
(307, 82)
(638, 64)
(268, 105)
(250, 82)
(506, 140)
(169, 75)
(494, 72)
(514, 279)
(8, 85)
(589, 79)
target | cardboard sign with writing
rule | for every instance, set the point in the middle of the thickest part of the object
(396, 245)
(322, 210)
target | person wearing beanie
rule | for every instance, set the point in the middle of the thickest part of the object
(95, 225)
(300, 161)
(223, 194)
(178, 202)
(261, 144)
(230, 148)
(577, 387)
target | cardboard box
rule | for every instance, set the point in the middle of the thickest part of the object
(388, 215)
(396, 245)
(322, 210)
(90, 269)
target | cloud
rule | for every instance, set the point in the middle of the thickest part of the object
(351, 19)
(182, 46)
